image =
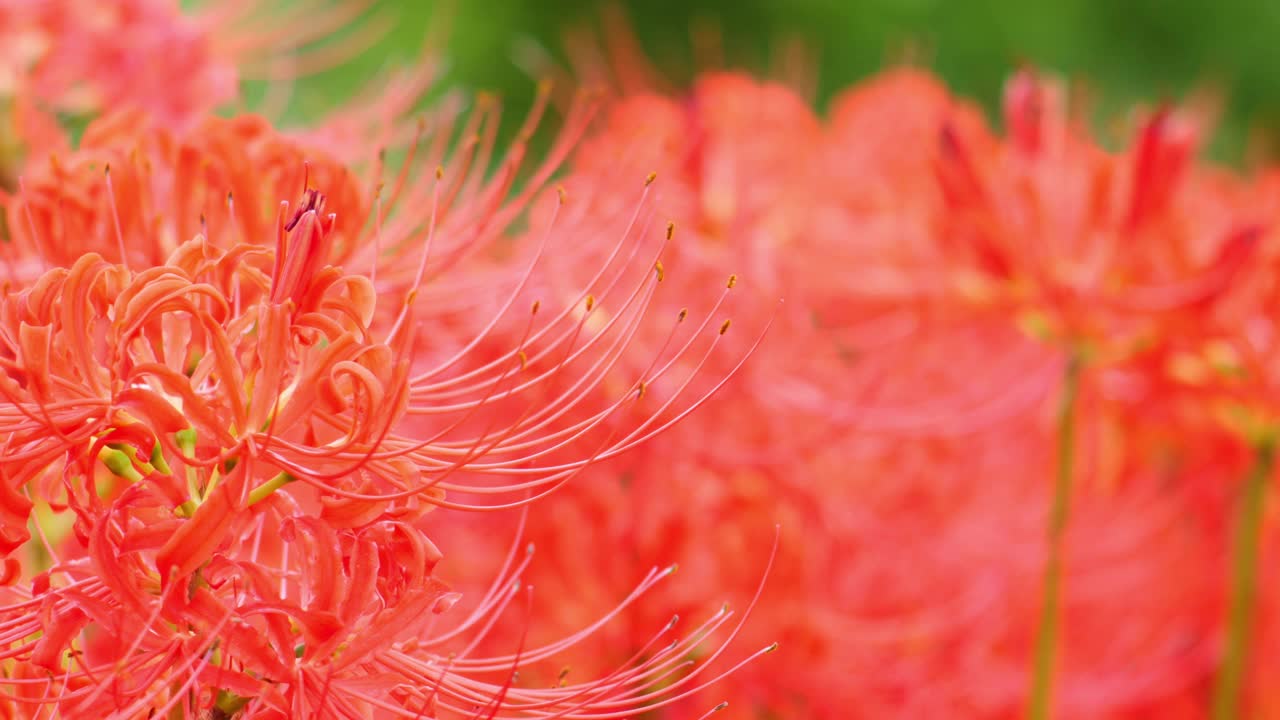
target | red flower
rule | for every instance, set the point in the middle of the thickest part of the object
(249, 413)
(83, 56)
(896, 420)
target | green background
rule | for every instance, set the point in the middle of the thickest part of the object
(1127, 50)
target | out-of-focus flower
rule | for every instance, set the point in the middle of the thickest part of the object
(1106, 256)
(1094, 247)
(81, 56)
(88, 58)
(898, 420)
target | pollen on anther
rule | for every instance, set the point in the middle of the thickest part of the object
(524, 359)
(562, 194)
(671, 230)
(640, 391)
(439, 172)
(649, 180)
(733, 280)
(724, 327)
(657, 266)
(591, 302)
(536, 304)
(684, 313)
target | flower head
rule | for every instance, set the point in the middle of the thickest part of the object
(231, 431)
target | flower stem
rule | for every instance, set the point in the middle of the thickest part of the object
(1244, 580)
(263, 491)
(1038, 707)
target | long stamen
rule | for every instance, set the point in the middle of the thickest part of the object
(115, 218)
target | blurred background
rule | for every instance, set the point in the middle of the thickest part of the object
(1130, 51)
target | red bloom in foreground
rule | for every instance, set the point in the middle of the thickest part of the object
(230, 443)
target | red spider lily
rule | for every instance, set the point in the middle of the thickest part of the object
(73, 56)
(230, 411)
(919, 261)
(216, 415)
(736, 202)
(735, 193)
(135, 191)
(464, 213)
(81, 56)
(1105, 254)
(909, 597)
(295, 618)
(1121, 240)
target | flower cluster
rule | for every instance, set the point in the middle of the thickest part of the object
(1014, 416)
(241, 366)
(370, 418)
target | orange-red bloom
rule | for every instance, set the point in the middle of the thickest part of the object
(230, 431)
(898, 419)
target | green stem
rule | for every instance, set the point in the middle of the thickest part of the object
(1040, 702)
(1244, 581)
(264, 490)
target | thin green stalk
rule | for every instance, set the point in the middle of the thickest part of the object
(263, 491)
(1244, 581)
(1041, 699)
